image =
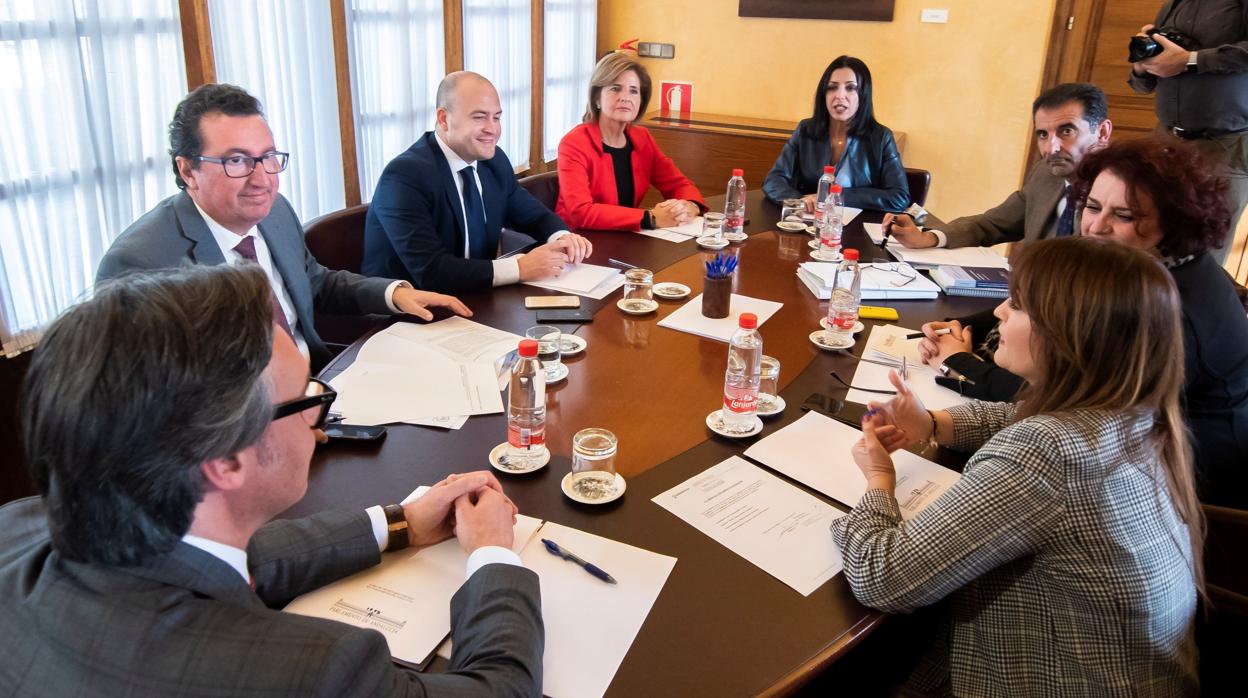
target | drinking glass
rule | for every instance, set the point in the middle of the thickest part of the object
(768, 383)
(548, 351)
(713, 225)
(792, 210)
(593, 463)
(639, 285)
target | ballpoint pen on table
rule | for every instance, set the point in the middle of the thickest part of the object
(919, 335)
(625, 265)
(554, 549)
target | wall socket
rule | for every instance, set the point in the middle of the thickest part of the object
(648, 49)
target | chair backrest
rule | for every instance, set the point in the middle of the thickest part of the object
(544, 187)
(919, 181)
(336, 239)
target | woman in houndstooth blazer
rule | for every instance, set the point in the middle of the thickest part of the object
(1067, 548)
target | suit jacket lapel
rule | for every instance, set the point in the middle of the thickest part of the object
(203, 247)
(449, 191)
(1049, 194)
(288, 262)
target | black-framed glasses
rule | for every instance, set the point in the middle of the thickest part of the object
(243, 165)
(313, 406)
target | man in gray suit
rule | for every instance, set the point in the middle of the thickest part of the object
(166, 421)
(226, 163)
(1071, 120)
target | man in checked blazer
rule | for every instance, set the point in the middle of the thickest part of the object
(226, 163)
(1071, 120)
(166, 421)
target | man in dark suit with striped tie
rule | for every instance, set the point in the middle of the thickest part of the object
(440, 206)
(166, 421)
(1071, 120)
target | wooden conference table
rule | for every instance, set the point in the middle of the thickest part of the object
(721, 626)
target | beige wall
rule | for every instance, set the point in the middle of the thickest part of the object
(961, 91)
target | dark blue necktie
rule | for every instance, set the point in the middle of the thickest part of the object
(475, 212)
(1066, 224)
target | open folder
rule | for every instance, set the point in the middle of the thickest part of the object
(408, 599)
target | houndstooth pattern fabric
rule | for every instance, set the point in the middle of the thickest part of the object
(1067, 569)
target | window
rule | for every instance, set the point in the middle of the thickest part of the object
(570, 32)
(86, 93)
(498, 43)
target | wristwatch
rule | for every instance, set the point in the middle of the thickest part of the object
(1191, 62)
(396, 526)
(944, 369)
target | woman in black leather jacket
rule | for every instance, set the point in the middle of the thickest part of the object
(843, 133)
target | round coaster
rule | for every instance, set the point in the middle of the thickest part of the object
(712, 244)
(637, 306)
(791, 226)
(498, 459)
(826, 256)
(823, 322)
(576, 496)
(560, 374)
(735, 237)
(571, 345)
(671, 290)
(820, 339)
(812, 230)
(715, 422)
(769, 405)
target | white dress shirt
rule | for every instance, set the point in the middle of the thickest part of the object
(507, 269)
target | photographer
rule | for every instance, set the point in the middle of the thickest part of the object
(1202, 90)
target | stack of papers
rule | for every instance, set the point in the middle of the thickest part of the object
(886, 348)
(677, 233)
(935, 256)
(583, 279)
(689, 317)
(408, 596)
(815, 451)
(434, 375)
(878, 281)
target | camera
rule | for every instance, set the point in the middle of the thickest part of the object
(1145, 47)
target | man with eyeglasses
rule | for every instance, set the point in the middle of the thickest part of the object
(167, 421)
(229, 211)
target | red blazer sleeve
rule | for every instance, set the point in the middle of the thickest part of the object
(587, 196)
(659, 171)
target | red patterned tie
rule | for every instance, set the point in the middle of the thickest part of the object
(247, 248)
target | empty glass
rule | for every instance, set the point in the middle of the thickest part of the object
(548, 351)
(768, 383)
(639, 285)
(593, 464)
(792, 210)
(713, 225)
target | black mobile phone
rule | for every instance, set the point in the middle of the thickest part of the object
(557, 315)
(354, 432)
(849, 413)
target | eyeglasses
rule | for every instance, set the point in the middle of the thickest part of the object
(904, 272)
(243, 165)
(313, 406)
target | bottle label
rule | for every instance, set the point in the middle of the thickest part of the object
(844, 320)
(740, 400)
(524, 437)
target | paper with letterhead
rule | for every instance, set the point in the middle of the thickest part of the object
(407, 597)
(583, 280)
(887, 344)
(816, 451)
(774, 525)
(689, 317)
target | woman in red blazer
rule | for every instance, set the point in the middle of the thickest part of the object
(607, 163)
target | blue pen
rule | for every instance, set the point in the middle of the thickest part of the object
(554, 549)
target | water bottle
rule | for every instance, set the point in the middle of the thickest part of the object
(825, 184)
(734, 205)
(526, 408)
(846, 293)
(833, 221)
(745, 352)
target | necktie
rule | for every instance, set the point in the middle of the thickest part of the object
(475, 212)
(247, 249)
(1066, 224)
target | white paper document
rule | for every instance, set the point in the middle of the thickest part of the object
(456, 338)
(815, 451)
(692, 229)
(664, 234)
(774, 525)
(850, 214)
(689, 317)
(935, 256)
(584, 280)
(886, 347)
(877, 281)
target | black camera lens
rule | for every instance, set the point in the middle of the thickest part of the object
(1142, 48)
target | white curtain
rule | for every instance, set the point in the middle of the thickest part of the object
(570, 28)
(282, 52)
(86, 92)
(498, 43)
(397, 59)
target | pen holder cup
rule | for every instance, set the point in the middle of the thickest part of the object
(716, 296)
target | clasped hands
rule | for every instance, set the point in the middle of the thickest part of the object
(898, 423)
(546, 261)
(673, 212)
(469, 506)
(935, 349)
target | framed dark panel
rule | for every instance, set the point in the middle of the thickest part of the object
(861, 10)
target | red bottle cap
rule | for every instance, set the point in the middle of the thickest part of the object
(528, 347)
(828, 169)
(851, 254)
(748, 321)
(835, 188)
(738, 172)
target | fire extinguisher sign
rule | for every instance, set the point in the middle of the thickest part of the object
(675, 97)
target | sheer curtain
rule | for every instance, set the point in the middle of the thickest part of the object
(571, 31)
(86, 93)
(498, 43)
(397, 59)
(281, 51)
